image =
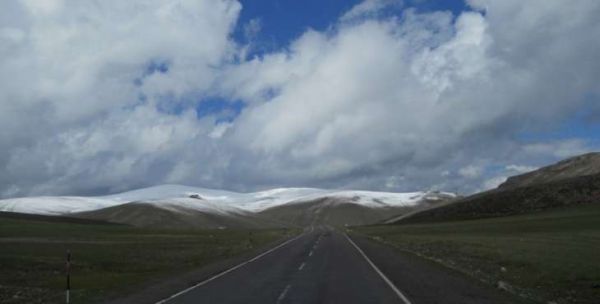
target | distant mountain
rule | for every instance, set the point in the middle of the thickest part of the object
(586, 164)
(567, 183)
(183, 206)
(346, 211)
(54, 205)
(172, 215)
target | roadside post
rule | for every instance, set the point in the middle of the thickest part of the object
(68, 270)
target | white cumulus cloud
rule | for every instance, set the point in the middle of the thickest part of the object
(100, 96)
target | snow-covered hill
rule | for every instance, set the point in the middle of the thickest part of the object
(211, 201)
(54, 205)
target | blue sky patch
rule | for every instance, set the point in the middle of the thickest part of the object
(284, 21)
(224, 110)
(583, 124)
(154, 66)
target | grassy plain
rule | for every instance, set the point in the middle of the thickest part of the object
(107, 260)
(547, 257)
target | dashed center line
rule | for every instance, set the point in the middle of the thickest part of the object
(310, 253)
(283, 293)
(302, 266)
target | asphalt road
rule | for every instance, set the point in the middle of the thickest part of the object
(325, 266)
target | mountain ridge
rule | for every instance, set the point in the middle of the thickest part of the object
(570, 182)
(581, 165)
(184, 203)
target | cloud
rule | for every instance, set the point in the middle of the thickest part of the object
(78, 69)
(520, 168)
(368, 8)
(559, 148)
(252, 28)
(100, 96)
(493, 182)
(470, 171)
(413, 96)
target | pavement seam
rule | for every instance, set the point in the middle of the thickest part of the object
(379, 272)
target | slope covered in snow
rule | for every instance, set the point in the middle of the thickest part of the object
(54, 205)
(161, 192)
(208, 200)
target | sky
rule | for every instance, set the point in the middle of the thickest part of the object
(99, 97)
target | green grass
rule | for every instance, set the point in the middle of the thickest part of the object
(107, 260)
(549, 256)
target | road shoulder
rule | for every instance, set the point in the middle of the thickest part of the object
(159, 289)
(424, 281)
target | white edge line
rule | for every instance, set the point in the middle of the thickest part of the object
(383, 276)
(227, 271)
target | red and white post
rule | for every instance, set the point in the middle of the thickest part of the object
(68, 270)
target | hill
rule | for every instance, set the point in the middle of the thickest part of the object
(347, 211)
(332, 211)
(547, 188)
(582, 165)
(141, 214)
(182, 206)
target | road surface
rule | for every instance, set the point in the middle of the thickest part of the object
(325, 266)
